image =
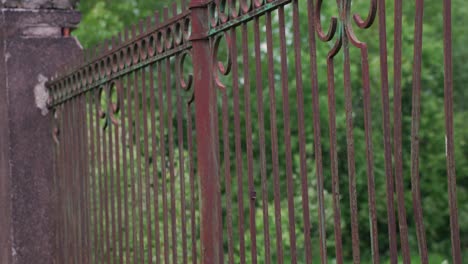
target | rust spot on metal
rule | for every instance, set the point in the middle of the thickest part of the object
(66, 32)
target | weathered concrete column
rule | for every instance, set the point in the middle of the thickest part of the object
(32, 47)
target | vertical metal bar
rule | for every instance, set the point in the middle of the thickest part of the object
(416, 112)
(71, 188)
(118, 174)
(123, 117)
(227, 164)
(136, 86)
(144, 103)
(162, 153)
(66, 185)
(369, 155)
(111, 175)
(333, 146)
(77, 166)
(397, 133)
(172, 175)
(113, 106)
(205, 126)
(59, 177)
(238, 147)
(171, 152)
(180, 136)
(62, 246)
(85, 175)
(86, 178)
(171, 147)
(192, 183)
(83, 179)
(227, 175)
(367, 128)
(102, 235)
(131, 131)
(93, 175)
(63, 193)
(63, 186)
(56, 176)
(351, 153)
(88, 173)
(317, 133)
(71, 208)
(218, 156)
(124, 136)
(61, 189)
(301, 133)
(287, 135)
(249, 144)
(387, 133)
(116, 107)
(68, 227)
(76, 171)
(183, 5)
(262, 143)
(154, 161)
(448, 96)
(75, 213)
(89, 195)
(106, 177)
(274, 139)
(91, 183)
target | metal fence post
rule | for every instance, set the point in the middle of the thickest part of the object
(205, 127)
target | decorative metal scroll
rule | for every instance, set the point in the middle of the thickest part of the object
(121, 56)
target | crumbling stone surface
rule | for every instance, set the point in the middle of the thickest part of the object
(22, 23)
(39, 4)
(31, 49)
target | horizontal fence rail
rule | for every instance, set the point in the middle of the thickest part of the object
(279, 131)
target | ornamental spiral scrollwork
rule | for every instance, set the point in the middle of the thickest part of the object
(363, 24)
(220, 67)
(185, 81)
(224, 11)
(370, 17)
(111, 105)
(346, 29)
(122, 54)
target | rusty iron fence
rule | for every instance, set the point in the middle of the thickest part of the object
(186, 139)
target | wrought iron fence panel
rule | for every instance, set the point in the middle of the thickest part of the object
(211, 134)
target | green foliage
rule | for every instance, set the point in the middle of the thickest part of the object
(105, 18)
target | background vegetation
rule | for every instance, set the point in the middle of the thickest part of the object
(104, 18)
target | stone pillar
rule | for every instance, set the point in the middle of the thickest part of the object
(34, 44)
